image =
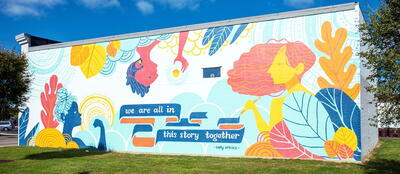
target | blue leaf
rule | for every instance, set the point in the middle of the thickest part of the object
(208, 36)
(308, 121)
(238, 32)
(342, 110)
(357, 155)
(23, 124)
(220, 35)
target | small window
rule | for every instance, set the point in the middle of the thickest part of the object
(212, 72)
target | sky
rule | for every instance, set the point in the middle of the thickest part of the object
(69, 20)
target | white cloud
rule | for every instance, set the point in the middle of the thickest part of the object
(148, 6)
(145, 7)
(299, 3)
(27, 7)
(38, 7)
(100, 3)
(180, 4)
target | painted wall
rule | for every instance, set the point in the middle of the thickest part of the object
(287, 88)
(369, 136)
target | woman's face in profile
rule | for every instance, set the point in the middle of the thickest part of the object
(281, 71)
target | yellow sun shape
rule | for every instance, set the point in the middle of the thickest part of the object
(175, 73)
(93, 106)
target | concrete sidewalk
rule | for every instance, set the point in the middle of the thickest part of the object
(8, 138)
(11, 132)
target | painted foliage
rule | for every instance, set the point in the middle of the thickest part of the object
(287, 88)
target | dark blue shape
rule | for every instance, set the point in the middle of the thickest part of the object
(217, 37)
(343, 111)
(357, 155)
(220, 35)
(238, 32)
(102, 141)
(228, 120)
(198, 115)
(208, 36)
(23, 123)
(212, 72)
(136, 87)
(72, 119)
(142, 128)
(207, 136)
(182, 123)
(81, 144)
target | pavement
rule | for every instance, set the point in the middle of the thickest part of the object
(8, 138)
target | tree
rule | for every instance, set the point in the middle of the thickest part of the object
(14, 83)
(381, 35)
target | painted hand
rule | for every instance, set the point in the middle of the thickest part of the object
(183, 61)
(98, 123)
(249, 105)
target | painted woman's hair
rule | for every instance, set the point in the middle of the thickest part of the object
(136, 87)
(250, 73)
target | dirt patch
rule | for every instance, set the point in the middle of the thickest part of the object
(6, 161)
(390, 138)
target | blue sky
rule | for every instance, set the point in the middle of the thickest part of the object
(69, 20)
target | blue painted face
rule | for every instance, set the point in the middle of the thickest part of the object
(74, 117)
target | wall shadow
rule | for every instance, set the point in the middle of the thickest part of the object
(67, 153)
(382, 166)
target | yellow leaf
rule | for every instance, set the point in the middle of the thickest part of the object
(76, 56)
(323, 83)
(116, 44)
(326, 31)
(339, 39)
(85, 51)
(95, 60)
(334, 67)
(346, 136)
(113, 47)
(345, 152)
(331, 148)
(353, 92)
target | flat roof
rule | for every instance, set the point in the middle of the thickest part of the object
(260, 18)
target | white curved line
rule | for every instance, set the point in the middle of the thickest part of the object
(119, 134)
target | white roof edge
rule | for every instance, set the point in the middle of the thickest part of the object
(275, 16)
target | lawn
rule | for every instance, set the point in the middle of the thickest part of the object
(385, 159)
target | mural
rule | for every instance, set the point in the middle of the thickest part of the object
(287, 88)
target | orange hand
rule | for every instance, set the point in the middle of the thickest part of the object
(250, 104)
(183, 61)
(182, 41)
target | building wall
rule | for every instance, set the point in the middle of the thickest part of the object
(369, 136)
(282, 88)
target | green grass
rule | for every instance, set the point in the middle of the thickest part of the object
(385, 159)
